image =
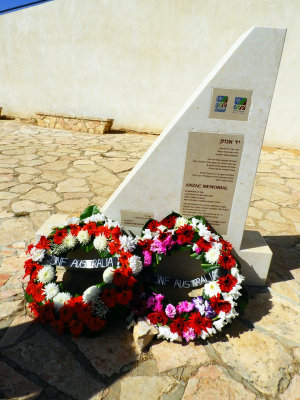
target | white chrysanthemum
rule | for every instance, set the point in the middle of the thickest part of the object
(162, 228)
(60, 299)
(235, 272)
(180, 221)
(108, 274)
(217, 245)
(127, 243)
(203, 231)
(212, 288)
(204, 334)
(195, 222)
(135, 264)
(69, 241)
(37, 254)
(215, 237)
(147, 234)
(164, 332)
(46, 274)
(83, 237)
(212, 255)
(100, 242)
(50, 290)
(219, 323)
(99, 217)
(112, 224)
(90, 294)
(73, 221)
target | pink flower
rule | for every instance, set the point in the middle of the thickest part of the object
(170, 311)
(158, 302)
(150, 301)
(147, 258)
(184, 306)
(189, 334)
(161, 247)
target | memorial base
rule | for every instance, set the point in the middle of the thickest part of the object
(255, 257)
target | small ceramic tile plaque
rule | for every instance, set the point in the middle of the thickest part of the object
(230, 104)
(210, 174)
(135, 218)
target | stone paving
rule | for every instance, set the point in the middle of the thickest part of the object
(45, 171)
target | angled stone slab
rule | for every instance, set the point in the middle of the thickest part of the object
(225, 118)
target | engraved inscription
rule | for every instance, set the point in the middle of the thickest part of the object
(211, 170)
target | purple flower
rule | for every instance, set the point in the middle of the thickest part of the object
(150, 301)
(198, 302)
(170, 311)
(147, 258)
(208, 310)
(189, 334)
(184, 306)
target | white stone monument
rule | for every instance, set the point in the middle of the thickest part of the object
(205, 161)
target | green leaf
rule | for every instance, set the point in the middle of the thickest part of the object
(89, 247)
(209, 267)
(28, 297)
(196, 256)
(89, 211)
(200, 218)
(158, 258)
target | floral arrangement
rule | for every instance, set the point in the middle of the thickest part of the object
(204, 315)
(87, 312)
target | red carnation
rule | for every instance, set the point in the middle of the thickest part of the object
(114, 247)
(75, 229)
(159, 317)
(109, 297)
(227, 246)
(203, 244)
(116, 233)
(91, 227)
(227, 261)
(185, 234)
(124, 297)
(43, 243)
(34, 308)
(144, 244)
(124, 258)
(102, 230)
(178, 325)
(169, 221)
(131, 282)
(66, 313)
(59, 235)
(95, 324)
(152, 225)
(36, 291)
(58, 326)
(83, 312)
(46, 313)
(31, 268)
(121, 276)
(220, 305)
(227, 282)
(76, 327)
(199, 323)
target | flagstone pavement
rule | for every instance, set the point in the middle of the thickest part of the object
(45, 171)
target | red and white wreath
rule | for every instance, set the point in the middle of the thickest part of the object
(87, 312)
(204, 315)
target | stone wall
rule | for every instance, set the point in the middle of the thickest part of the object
(77, 124)
(138, 61)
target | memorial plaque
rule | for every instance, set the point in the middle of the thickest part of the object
(135, 218)
(210, 175)
(230, 104)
